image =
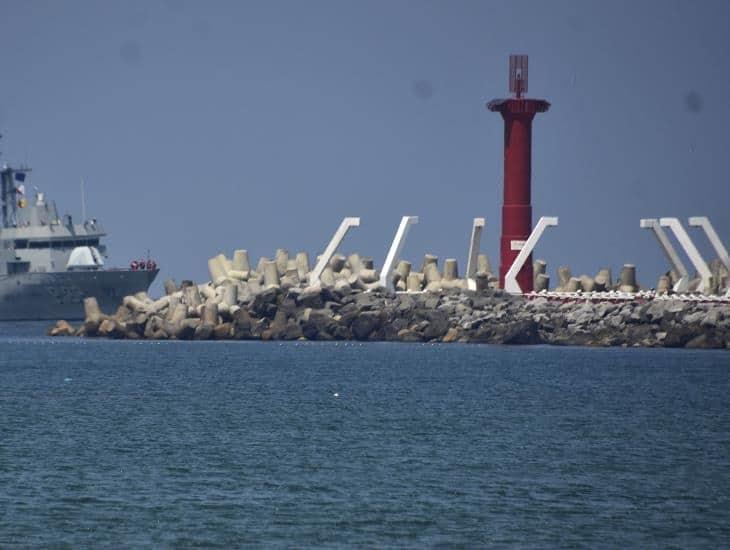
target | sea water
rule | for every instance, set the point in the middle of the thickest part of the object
(120, 443)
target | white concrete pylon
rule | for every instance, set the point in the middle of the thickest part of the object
(669, 251)
(510, 278)
(471, 266)
(395, 249)
(720, 250)
(689, 248)
(324, 259)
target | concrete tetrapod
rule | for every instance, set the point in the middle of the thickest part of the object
(628, 278)
(414, 282)
(602, 281)
(573, 285)
(282, 260)
(271, 274)
(538, 267)
(451, 269)
(564, 275)
(368, 276)
(92, 311)
(542, 282)
(403, 270)
(170, 286)
(302, 261)
(587, 283)
(225, 263)
(191, 295)
(216, 269)
(482, 280)
(230, 294)
(210, 314)
(428, 259)
(355, 263)
(260, 268)
(663, 285)
(483, 264)
(337, 262)
(240, 261)
(431, 273)
(327, 278)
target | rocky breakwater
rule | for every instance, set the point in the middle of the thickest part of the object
(208, 312)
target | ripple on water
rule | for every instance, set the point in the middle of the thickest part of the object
(129, 443)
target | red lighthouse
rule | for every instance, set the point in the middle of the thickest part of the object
(517, 113)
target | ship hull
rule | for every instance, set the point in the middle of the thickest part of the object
(60, 295)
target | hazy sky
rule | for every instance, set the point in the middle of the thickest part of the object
(201, 127)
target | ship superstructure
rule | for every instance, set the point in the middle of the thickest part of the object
(49, 264)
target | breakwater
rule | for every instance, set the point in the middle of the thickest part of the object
(447, 315)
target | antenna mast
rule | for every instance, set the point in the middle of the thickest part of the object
(83, 203)
(518, 74)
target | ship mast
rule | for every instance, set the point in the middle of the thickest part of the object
(9, 193)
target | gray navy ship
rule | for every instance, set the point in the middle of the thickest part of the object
(48, 265)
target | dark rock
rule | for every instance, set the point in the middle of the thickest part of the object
(392, 328)
(264, 304)
(705, 341)
(678, 336)
(160, 334)
(203, 332)
(311, 297)
(242, 323)
(347, 313)
(109, 328)
(310, 330)
(91, 327)
(711, 319)
(452, 335)
(137, 323)
(407, 335)
(364, 324)
(224, 331)
(122, 314)
(405, 304)
(341, 333)
(187, 328)
(438, 324)
(521, 332)
(367, 301)
(292, 331)
(288, 306)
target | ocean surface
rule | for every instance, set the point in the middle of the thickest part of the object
(133, 444)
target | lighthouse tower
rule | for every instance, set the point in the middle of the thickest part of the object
(517, 113)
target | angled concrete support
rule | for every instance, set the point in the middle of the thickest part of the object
(720, 250)
(471, 266)
(395, 248)
(510, 278)
(324, 259)
(691, 251)
(671, 253)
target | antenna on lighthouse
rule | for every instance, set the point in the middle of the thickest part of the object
(518, 74)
